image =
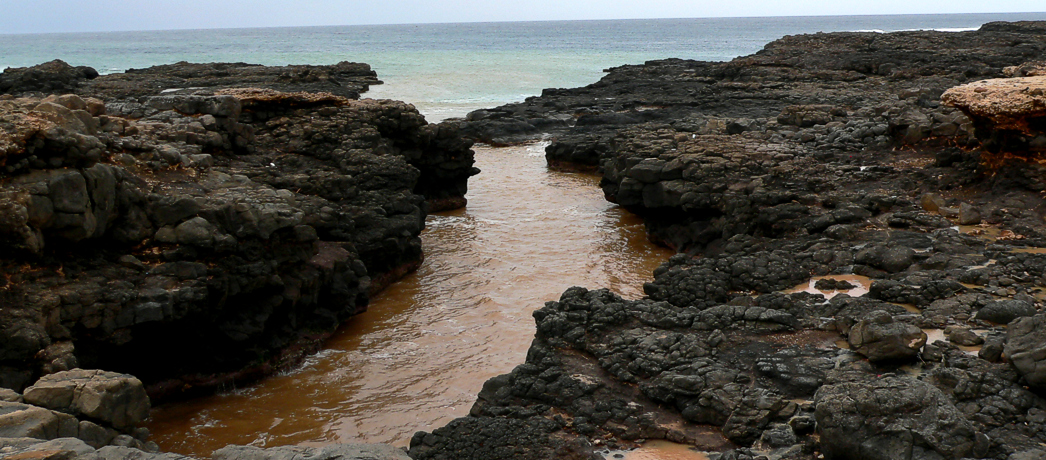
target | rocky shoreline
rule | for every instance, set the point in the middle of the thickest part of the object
(912, 162)
(204, 225)
(825, 156)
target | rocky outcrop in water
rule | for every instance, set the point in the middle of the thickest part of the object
(197, 240)
(826, 155)
(346, 79)
(56, 76)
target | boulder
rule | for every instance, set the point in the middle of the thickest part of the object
(1005, 311)
(895, 418)
(969, 215)
(54, 76)
(56, 449)
(9, 395)
(118, 400)
(1008, 113)
(25, 421)
(1026, 348)
(891, 259)
(962, 336)
(879, 337)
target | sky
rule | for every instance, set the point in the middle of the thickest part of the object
(47, 16)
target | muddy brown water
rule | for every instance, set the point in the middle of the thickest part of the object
(421, 353)
(862, 285)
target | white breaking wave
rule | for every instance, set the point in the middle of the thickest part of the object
(939, 29)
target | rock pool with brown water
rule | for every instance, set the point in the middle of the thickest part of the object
(421, 353)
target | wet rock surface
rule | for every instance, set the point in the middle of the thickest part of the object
(822, 155)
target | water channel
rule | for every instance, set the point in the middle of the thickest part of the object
(421, 353)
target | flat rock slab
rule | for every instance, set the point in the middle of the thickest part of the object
(1009, 102)
(335, 452)
(116, 399)
(25, 421)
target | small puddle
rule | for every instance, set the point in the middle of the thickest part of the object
(985, 265)
(933, 335)
(983, 231)
(1029, 251)
(862, 284)
(910, 307)
(657, 450)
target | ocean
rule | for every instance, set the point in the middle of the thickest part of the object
(448, 70)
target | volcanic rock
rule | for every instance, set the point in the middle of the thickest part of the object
(893, 417)
(302, 206)
(879, 337)
(1026, 348)
(1005, 311)
(50, 77)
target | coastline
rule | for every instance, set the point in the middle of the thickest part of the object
(852, 165)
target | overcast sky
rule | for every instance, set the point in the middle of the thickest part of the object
(39, 16)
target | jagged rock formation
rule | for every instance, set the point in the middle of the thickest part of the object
(822, 155)
(203, 239)
(1009, 114)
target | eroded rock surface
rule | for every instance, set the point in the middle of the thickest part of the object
(896, 417)
(826, 155)
(1009, 114)
(194, 240)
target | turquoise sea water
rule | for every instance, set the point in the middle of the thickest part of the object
(451, 69)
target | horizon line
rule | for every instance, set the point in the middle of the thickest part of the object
(508, 22)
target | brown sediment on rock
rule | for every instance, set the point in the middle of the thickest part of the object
(1009, 116)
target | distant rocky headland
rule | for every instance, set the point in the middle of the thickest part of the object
(188, 226)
